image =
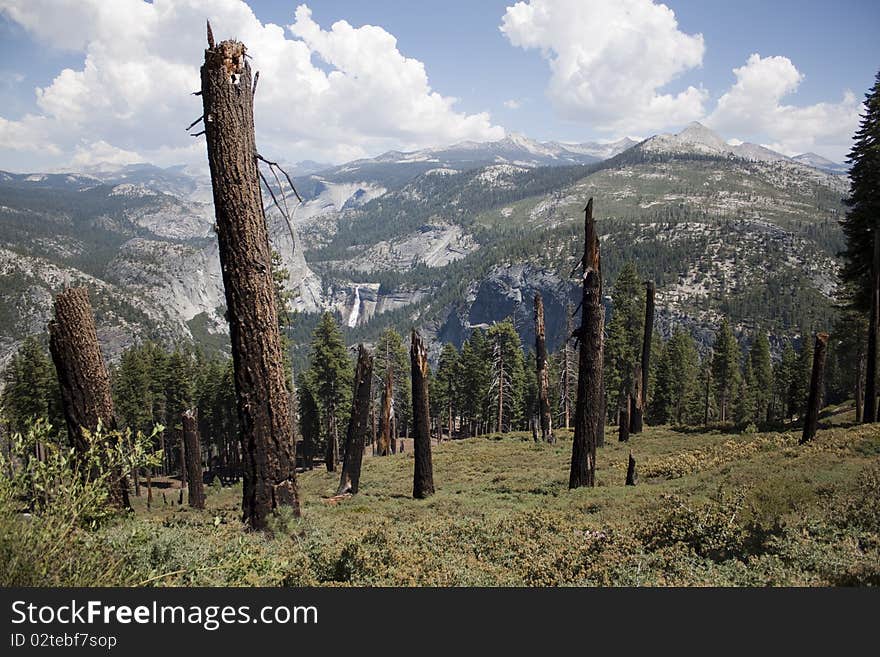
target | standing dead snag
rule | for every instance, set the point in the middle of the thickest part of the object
(355, 437)
(869, 413)
(83, 377)
(646, 346)
(817, 381)
(386, 428)
(588, 421)
(262, 399)
(631, 476)
(193, 459)
(423, 473)
(637, 410)
(542, 373)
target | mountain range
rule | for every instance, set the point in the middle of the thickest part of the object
(447, 238)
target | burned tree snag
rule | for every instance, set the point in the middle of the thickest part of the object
(83, 377)
(423, 473)
(646, 341)
(358, 424)
(589, 407)
(869, 412)
(631, 477)
(817, 382)
(267, 436)
(387, 417)
(542, 373)
(193, 457)
(637, 410)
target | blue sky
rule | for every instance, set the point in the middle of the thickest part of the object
(431, 73)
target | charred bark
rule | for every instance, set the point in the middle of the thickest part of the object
(193, 457)
(646, 342)
(817, 382)
(631, 477)
(588, 419)
(423, 473)
(358, 424)
(637, 412)
(869, 412)
(83, 377)
(387, 418)
(269, 461)
(543, 375)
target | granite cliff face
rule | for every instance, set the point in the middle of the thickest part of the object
(447, 239)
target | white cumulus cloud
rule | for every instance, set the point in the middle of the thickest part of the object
(325, 94)
(754, 107)
(610, 60)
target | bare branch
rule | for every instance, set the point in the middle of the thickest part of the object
(256, 79)
(198, 134)
(210, 35)
(275, 164)
(194, 122)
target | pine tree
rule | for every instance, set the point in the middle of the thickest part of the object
(507, 375)
(330, 376)
(31, 389)
(676, 384)
(444, 392)
(783, 376)
(725, 369)
(863, 216)
(762, 369)
(745, 397)
(623, 344)
(476, 377)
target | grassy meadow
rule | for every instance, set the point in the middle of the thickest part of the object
(711, 508)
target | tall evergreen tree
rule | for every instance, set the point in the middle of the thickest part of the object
(507, 374)
(762, 370)
(444, 391)
(863, 216)
(330, 374)
(783, 376)
(31, 389)
(676, 383)
(623, 344)
(803, 370)
(725, 369)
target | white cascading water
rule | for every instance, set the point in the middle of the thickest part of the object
(356, 309)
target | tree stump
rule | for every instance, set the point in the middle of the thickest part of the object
(193, 458)
(83, 377)
(631, 476)
(423, 472)
(356, 436)
(269, 462)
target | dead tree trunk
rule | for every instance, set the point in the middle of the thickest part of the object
(501, 384)
(860, 372)
(193, 456)
(423, 473)
(588, 409)
(817, 382)
(646, 343)
(869, 412)
(566, 369)
(637, 410)
(623, 422)
(83, 377)
(245, 258)
(358, 424)
(631, 476)
(542, 372)
(385, 428)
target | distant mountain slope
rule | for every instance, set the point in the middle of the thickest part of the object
(448, 238)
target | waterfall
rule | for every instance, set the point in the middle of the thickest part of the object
(356, 309)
